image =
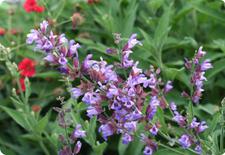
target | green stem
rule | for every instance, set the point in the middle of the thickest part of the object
(44, 148)
(170, 148)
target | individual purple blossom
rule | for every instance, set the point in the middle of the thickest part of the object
(173, 106)
(126, 62)
(181, 120)
(198, 149)
(93, 111)
(43, 26)
(106, 130)
(76, 92)
(77, 147)
(194, 124)
(78, 132)
(131, 42)
(32, 36)
(185, 141)
(202, 127)
(112, 91)
(126, 138)
(148, 150)
(206, 65)
(168, 87)
(200, 53)
(130, 126)
(91, 98)
(154, 130)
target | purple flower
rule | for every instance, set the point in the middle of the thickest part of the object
(76, 92)
(173, 106)
(168, 87)
(200, 53)
(130, 126)
(126, 62)
(43, 26)
(49, 58)
(77, 147)
(91, 98)
(185, 141)
(148, 150)
(93, 111)
(78, 132)
(131, 42)
(106, 130)
(194, 124)
(181, 120)
(62, 60)
(202, 127)
(73, 48)
(154, 130)
(112, 91)
(198, 149)
(206, 65)
(32, 36)
(126, 138)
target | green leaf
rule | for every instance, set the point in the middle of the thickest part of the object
(50, 74)
(122, 147)
(220, 16)
(213, 124)
(160, 116)
(218, 67)
(99, 148)
(42, 123)
(19, 117)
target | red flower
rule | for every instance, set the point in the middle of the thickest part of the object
(32, 6)
(92, 1)
(22, 84)
(2, 31)
(27, 67)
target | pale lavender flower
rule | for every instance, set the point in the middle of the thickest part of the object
(76, 92)
(206, 65)
(126, 138)
(198, 149)
(91, 98)
(154, 130)
(132, 42)
(148, 150)
(173, 106)
(77, 147)
(185, 141)
(78, 132)
(130, 126)
(106, 130)
(168, 87)
(181, 120)
(43, 26)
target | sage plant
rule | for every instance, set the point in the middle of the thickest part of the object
(120, 102)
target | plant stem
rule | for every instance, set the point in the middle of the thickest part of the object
(44, 148)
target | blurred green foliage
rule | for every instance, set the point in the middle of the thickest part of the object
(169, 30)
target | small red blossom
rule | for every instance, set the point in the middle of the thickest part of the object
(36, 108)
(92, 1)
(27, 67)
(32, 6)
(22, 84)
(2, 31)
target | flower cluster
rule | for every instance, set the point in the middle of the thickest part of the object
(56, 48)
(198, 77)
(32, 6)
(27, 69)
(187, 140)
(126, 95)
